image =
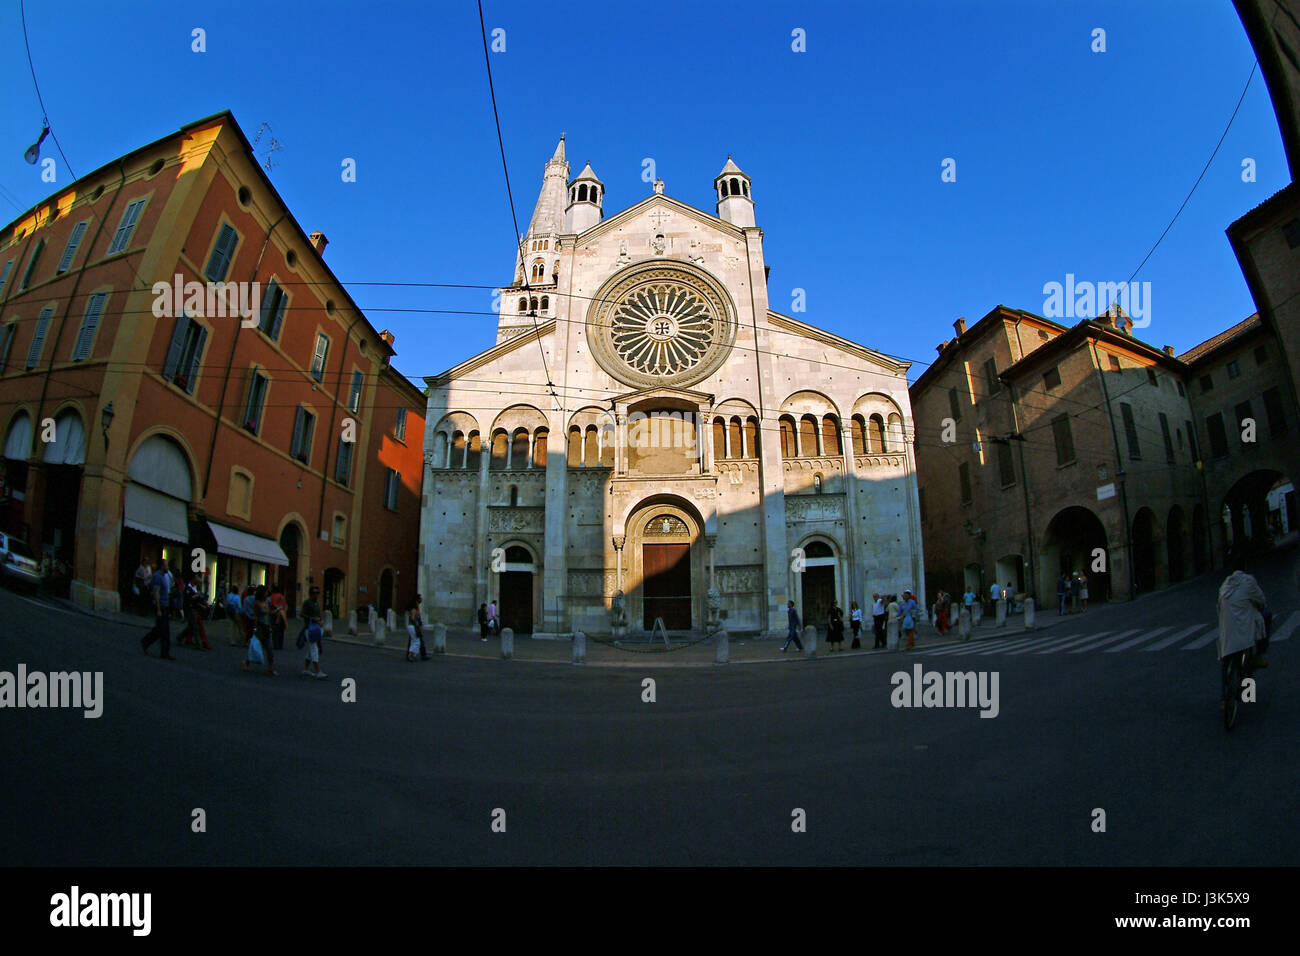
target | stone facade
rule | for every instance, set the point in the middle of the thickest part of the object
(690, 438)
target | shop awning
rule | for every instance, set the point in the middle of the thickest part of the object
(155, 513)
(18, 443)
(69, 445)
(241, 544)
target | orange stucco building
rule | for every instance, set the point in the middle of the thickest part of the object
(253, 417)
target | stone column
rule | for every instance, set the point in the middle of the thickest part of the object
(620, 440)
(481, 557)
(1029, 614)
(619, 541)
(711, 542)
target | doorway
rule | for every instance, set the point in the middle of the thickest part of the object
(666, 574)
(817, 587)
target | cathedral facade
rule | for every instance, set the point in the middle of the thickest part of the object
(648, 441)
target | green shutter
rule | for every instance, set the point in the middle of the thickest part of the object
(66, 262)
(191, 376)
(86, 337)
(172, 365)
(38, 339)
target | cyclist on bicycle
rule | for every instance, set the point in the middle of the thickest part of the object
(1242, 610)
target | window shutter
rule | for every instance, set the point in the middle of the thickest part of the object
(66, 262)
(174, 348)
(38, 340)
(295, 446)
(268, 303)
(222, 253)
(126, 227)
(4, 276)
(318, 359)
(354, 400)
(86, 337)
(200, 338)
(278, 319)
(6, 343)
(308, 427)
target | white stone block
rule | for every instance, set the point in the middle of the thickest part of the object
(507, 643)
(724, 648)
(579, 647)
(1029, 613)
(810, 641)
(381, 632)
(440, 638)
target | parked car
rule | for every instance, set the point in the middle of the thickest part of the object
(17, 563)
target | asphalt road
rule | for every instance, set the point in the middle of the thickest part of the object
(711, 773)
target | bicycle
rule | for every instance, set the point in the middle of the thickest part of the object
(1240, 665)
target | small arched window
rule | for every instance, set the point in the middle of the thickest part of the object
(817, 483)
(582, 193)
(719, 439)
(539, 447)
(575, 446)
(546, 302)
(858, 427)
(831, 436)
(788, 449)
(751, 437)
(523, 305)
(807, 437)
(591, 447)
(514, 496)
(519, 449)
(744, 187)
(458, 450)
(539, 269)
(532, 303)
(500, 444)
(876, 435)
(737, 442)
(473, 451)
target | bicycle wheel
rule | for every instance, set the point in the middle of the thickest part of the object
(1232, 692)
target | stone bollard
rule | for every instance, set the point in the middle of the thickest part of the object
(1001, 612)
(724, 648)
(1029, 614)
(964, 624)
(893, 631)
(440, 638)
(327, 623)
(390, 619)
(810, 641)
(381, 632)
(352, 622)
(507, 643)
(977, 613)
(579, 647)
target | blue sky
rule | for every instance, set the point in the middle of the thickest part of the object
(1068, 161)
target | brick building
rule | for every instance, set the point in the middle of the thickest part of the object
(1040, 447)
(138, 422)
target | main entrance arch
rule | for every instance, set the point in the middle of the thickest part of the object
(666, 565)
(1072, 541)
(517, 590)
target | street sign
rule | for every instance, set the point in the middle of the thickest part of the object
(1106, 491)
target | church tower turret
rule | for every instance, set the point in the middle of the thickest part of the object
(735, 204)
(537, 259)
(586, 198)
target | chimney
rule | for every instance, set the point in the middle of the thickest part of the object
(941, 346)
(1169, 350)
(960, 325)
(318, 242)
(388, 338)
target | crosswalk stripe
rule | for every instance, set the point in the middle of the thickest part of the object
(1070, 642)
(1175, 638)
(965, 646)
(1204, 639)
(1092, 646)
(1286, 630)
(1043, 642)
(1144, 636)
(1009, 646)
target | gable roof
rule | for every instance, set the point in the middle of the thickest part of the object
(1240, 330)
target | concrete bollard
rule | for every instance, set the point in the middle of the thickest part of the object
(390, 619)
(352, 622)
(724, 648)
(579, 647)
(327, 623)
(977, 614)
(507, 643)
(381, 632)
(964, 624)
(440, 638)
(1029, 614)
(1001, 611)
(893, 631)
(810, 641)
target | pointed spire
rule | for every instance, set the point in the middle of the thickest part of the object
(587, 173)
(558, 156)
(731, 167)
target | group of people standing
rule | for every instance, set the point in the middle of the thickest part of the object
(884, 609)
(1075, 588)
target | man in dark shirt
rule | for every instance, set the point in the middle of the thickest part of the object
(792, 616)
(160, 599)
(311, 620)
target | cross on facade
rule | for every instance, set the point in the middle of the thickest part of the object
(658, 217)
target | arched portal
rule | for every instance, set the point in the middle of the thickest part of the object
(516, 582)
(1075, 541)
(385, 591)
(817, 589)
(667, 567)
(292, 540)
(1145, 557)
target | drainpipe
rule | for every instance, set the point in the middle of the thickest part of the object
(1120, 473)
(1019, 438)
(230, 362)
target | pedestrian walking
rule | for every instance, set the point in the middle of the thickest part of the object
(261, 633)
(835, 626)
(1083, 589)
(312, 620)
(140, 586)
(415, 628)
(892, 614)
(792, 619)
(1074, 591)
(248, 612)
(878, 620)
(193, 606)
(855, 624)
(279, 606)
(235, 616)
(942, 608)
(494, 622)
(161, 600)
(1061, 588)
(909, 609)
(1009, 593)
(482, 622)
(968, 600)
